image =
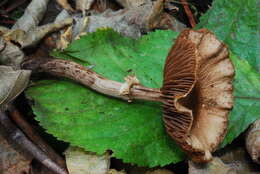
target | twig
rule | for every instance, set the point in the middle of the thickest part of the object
(188, 13)
(15, 5)
(33, 136)
(64, 68)
(17, 136)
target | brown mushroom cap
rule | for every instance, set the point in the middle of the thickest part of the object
(197, 91)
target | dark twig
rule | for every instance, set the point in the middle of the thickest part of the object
(18, 137)
(3, 2)
(33, 136)
(15, 5)
(188, 13)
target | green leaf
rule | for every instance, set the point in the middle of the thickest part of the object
(134, 131)
(247, 99)
(237, 23)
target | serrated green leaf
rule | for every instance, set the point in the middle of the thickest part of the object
(237, 23)
(247, 99)
(134, 131)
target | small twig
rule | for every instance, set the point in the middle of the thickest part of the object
(15, 5)
(87, 77)
(18, 137)
(33, 136)
(3, 2)
(188, 13)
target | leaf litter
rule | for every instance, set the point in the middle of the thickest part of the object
(244, 92)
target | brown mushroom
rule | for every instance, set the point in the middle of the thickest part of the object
(196, 92)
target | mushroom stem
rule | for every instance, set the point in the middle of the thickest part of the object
(64, 68)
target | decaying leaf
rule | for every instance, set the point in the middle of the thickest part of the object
(13, 160)
(10, 54)
(159, 171)
(132, 3)
(253, 141)
(113, 171)
(129, 22)
(65, 4)
(30, 38)
(32, 15)
(12, 83)
(213, 167)
(81, 162)
(233, 161)
(84, 5)
(198, 88)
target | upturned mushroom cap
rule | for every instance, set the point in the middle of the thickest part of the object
(197, 91)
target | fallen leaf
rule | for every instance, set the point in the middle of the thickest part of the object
(82, 162)
(84, 5)
(233, 161)
(13, 82)
(65, 4)
(253, 141)
(32, 16)
(159, 171)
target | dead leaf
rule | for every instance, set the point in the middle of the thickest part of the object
(253, 141)
(32, 15)
(159, 171)
(81, 162)
(132, 3)
(233, 161)
(64, 4)
(113, 171)
(12, 83)
(84, 5)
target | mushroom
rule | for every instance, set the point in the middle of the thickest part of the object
(196, 92)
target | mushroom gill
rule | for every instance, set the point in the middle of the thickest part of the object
(197, 92)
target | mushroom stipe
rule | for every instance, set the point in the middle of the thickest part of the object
(196, 92)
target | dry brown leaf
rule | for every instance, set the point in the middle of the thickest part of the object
(10, 54)
(81, 162)
(84, 5)
(64, 4)
(13, 82)
(32, 15)
(159, 171)
(233, 161)
(132, 3)
(113, 171)
(253, 141)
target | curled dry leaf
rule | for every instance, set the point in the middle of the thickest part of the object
(32, 15)
(65, 4)
(113, 171)
(160, 171)
(13, 82)
(26, 39)
(84, 5)
(235, 161)
(253, 141)
(81, 162)
(132, 3)
(10, 54)
(215, 166)
(198, 96)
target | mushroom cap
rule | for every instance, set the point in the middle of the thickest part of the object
(197, 92)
